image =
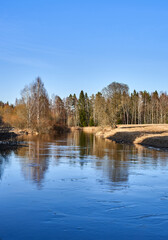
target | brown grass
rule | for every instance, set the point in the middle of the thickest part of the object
(154, 135)
(86, 129)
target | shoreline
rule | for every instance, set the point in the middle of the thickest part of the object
(8, 139)
(148, 135)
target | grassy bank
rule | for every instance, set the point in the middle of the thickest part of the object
(86, 129)
(153, 135)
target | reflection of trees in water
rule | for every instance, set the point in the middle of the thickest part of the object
(4, 159)
(157, 158)
(80, 148)
(35, 159)
(109, 156)
(115, 159)
(121, 156)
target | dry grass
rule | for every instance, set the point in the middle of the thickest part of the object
(154, 135)
(91, 129)
(86, 129)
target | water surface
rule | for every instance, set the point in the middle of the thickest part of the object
(76, 186)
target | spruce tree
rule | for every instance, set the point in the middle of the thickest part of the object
(82, 110)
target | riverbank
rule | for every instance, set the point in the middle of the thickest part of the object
(8, 139)
(55, 129)
(86, 129)
(152, 135)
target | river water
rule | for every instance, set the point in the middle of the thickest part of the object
(77, 186)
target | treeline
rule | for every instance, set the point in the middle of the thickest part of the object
(113, 105)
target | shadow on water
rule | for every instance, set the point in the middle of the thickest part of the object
(4, 160)
(78, 148)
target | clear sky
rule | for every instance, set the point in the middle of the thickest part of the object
(78, 45)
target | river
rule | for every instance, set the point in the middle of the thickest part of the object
(77, 186)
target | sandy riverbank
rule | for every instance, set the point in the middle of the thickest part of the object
(153, 135)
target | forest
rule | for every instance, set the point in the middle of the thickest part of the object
(113, 105)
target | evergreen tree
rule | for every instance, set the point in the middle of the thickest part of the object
(82, 110)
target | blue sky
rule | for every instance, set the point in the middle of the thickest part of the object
(78, 45)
